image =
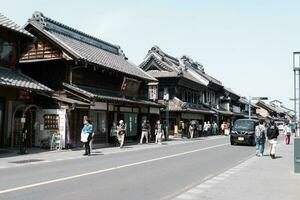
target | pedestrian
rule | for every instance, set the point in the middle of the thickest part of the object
(214, 128)
(199, 128)
(272, 134)
(145, 132)
(287, 133)
(260, 138)
(191, 131)
(209, 128)
(223, 128)
(86, 134)
(158, 132)
(226, 129)
(121, 133)
(205, 129)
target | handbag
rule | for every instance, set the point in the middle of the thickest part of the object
(84, 137)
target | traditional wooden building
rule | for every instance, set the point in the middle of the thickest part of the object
(18, 92)
(91, 78)
(188, 92)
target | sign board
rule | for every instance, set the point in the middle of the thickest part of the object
(125, 109)
(130, 87)
(154, 110)
(192, 116)
(99, 106)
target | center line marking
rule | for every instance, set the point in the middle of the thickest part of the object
(105, 170)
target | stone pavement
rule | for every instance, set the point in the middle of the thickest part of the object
(37, 156)
(257, 178)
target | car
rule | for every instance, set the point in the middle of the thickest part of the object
(279, 125)
(243, 132)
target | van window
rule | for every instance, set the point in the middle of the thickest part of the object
(244, 125)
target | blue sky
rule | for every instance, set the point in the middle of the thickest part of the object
(247, 45)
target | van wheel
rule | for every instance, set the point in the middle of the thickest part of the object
(232, 142)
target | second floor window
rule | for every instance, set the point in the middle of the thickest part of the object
(6, 50)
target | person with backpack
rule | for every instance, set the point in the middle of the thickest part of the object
(272, 134)
(287, 133)
(260, 138)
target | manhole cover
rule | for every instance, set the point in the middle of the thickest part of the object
(26, 161)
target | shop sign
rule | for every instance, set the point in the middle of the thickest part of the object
(191, 116)
(135, 110)
(99, 106)
(144, 110)
(154, 110)
(125, 109)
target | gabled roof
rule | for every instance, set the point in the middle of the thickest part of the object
(170, 66)
(13, 78)
(82, 46)
(12, 26)
(269, 107)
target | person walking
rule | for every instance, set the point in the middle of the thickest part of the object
(260, 138)
(86, 135)
(226, 129)
(158, 132)
(145, 132)
(287, 133)
(205, 129)
(191, 131)
(214, 128)
(223, 128)
(121, 132)
(272, 134)
(209, 128)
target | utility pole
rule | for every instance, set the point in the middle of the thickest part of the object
(296, 68)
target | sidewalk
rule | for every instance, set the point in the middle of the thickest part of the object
(11, 158)
(258, 178)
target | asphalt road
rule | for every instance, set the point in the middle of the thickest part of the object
(159, 173)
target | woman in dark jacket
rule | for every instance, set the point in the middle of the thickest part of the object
(272, 134)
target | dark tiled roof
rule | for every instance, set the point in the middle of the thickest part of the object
(85, 47)
(12, 78)
(9, 24)
(95, 93)
(185, 67)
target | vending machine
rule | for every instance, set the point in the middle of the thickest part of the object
(50, 128)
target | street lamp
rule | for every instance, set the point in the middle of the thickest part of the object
(296, 68)
(254, 98)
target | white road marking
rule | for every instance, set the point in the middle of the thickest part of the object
(106, 170)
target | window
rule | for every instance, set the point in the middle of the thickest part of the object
(6, 49)
(99, 121)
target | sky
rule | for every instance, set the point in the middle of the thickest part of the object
(247, 45)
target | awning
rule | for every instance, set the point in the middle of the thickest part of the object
(223, 112)
(98, 94)
(14, 78)
(70, 100)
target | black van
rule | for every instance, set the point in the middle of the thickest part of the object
(243, 132)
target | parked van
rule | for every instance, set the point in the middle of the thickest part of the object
(243, 132)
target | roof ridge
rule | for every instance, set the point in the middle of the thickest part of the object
(39, 17)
